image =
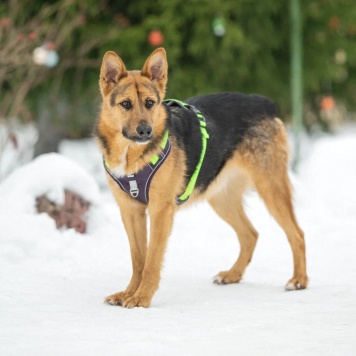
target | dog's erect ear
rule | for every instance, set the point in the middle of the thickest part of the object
(112, 69)
(156, 67)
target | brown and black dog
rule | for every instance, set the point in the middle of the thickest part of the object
(247, 148)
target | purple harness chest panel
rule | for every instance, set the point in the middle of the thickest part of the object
(138, 185)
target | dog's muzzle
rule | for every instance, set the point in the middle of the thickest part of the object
(144, 131)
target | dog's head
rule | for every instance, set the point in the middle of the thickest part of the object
(132, 99)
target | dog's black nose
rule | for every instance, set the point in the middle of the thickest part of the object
(144, 131)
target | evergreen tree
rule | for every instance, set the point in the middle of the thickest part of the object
(253, 54)
(212, 45)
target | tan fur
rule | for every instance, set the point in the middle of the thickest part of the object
(260, 162)
(264, 160)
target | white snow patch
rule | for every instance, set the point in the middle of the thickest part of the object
(48, 174)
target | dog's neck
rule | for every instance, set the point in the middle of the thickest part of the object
(123, 156)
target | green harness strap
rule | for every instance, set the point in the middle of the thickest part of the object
(155, 158)
(204, 134)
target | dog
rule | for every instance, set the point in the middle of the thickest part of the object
(212, 147)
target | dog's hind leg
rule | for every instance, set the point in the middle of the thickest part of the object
(278, 199)
(229, 206)
(265, 158)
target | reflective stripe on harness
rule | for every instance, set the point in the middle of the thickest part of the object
(205, 136)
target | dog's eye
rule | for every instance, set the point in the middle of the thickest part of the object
(126, 105)
(149, 103)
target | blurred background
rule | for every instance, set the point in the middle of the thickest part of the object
(51, 51)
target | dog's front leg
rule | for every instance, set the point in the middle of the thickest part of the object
(161, 224)
(134, 218)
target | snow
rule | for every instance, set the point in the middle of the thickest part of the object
(48, 174)
(53, 282)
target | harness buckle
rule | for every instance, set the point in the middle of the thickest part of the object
(134, 191)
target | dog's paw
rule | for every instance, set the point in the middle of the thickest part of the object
(227, 277)
(297, 283)
(117, 298)
(137, 301)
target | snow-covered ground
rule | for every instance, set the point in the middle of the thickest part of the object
(53, 282)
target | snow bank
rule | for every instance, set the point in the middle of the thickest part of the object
(49, 175)
(87, 155)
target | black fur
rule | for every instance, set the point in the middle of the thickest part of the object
(229, 117)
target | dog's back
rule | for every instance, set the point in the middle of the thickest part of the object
(232, 120)
(244, 106)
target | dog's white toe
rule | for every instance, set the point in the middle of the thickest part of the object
(218, 280)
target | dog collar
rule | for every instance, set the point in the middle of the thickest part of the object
(205, 136)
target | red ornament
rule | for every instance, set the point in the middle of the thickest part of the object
(32, 35)
(50, 46)
(155, 38)
(4, 22)
(334, 22)
(327, 103)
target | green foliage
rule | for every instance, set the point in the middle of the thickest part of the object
(253, 55)
(243, 59)
(330, 30)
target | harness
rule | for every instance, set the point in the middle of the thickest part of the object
(138, 185)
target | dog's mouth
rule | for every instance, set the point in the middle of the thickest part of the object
(141, 141)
